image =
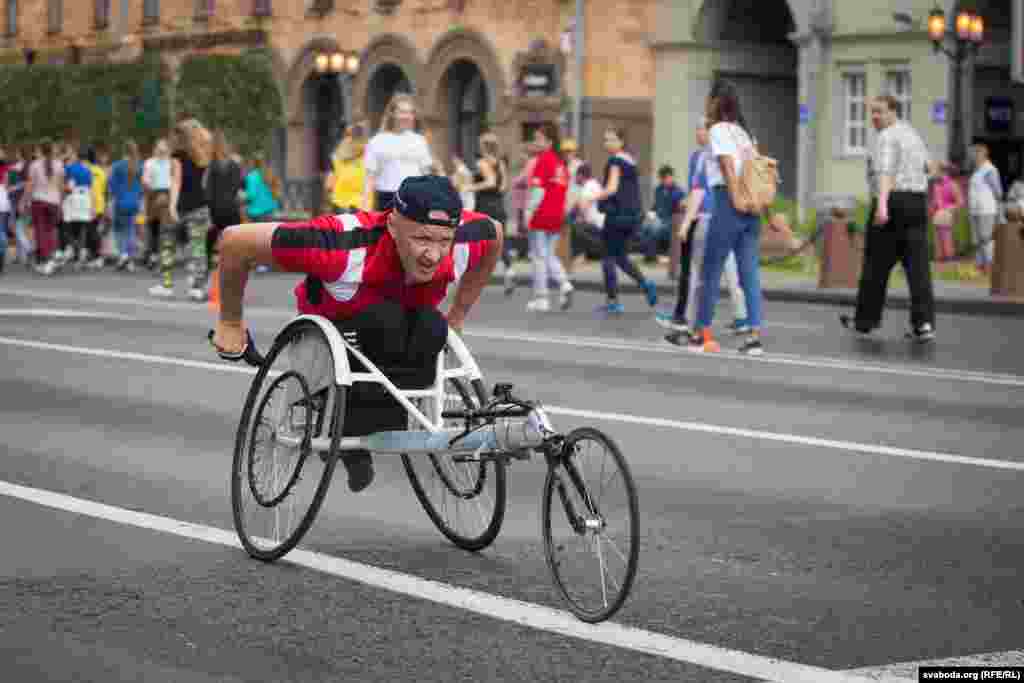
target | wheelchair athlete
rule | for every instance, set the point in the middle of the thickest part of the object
(380, 277)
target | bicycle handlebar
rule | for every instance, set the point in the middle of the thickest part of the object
(249, 354)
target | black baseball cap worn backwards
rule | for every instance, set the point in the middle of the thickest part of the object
(429, 199)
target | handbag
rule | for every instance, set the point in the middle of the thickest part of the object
(758, 182)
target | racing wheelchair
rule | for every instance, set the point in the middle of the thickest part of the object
(456, 451)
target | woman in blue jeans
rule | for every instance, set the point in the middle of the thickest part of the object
(623, 214)
(126, 189)
(732, 227)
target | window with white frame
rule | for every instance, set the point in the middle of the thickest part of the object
(897, 84)
(855, 108)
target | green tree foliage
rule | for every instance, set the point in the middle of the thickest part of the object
(88, 102)
(236, 94)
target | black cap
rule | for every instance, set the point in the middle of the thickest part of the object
(429, 199)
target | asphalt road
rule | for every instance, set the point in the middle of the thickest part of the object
(838, 503)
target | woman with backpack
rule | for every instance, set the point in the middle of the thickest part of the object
(734, 226)
(126, 191)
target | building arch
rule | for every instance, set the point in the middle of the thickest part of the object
(465, 92)
(389, 63)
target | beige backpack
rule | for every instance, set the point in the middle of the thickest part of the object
(758, 181)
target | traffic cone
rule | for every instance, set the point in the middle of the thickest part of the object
(213, 294)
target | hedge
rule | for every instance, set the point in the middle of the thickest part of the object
(108, 102)
(236, 94)
(113, 102)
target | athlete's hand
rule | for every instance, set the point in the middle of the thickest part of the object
(229, 336)
(456, 319)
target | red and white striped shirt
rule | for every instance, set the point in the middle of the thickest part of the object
(351, 262)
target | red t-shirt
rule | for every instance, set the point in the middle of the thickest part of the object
(551, 175)
(351, 262)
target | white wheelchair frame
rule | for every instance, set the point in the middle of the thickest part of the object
(431, 436)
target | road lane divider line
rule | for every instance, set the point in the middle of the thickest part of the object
(606, 343)
(1007, 659)
(519, 612)
(51, 313)
(702, 427)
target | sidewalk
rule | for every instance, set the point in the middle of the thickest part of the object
(950, 297)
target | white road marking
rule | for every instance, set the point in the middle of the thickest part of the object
(989, 659)
(610, 343)
(848, 446)
(505, 609)
(48, 313)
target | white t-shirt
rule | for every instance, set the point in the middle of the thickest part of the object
(727, 139)
(393, 157)
(588, 193)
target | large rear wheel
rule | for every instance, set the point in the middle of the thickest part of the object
(277, 482)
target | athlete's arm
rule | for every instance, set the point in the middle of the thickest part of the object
(242, 247)
(473, 282)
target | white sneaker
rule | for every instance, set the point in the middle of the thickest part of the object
(130, 266)
(539, 305)
(565, 296)
(197, 294)
(510, 281)
(96, 264)
(158, 290)
(47, 269)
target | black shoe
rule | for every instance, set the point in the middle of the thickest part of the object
(922, 334)
(752, 347)
(360, 469)
(848, 322)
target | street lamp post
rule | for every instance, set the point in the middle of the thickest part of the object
(342, 66)
(967, 33)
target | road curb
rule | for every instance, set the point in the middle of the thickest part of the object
(845, 299)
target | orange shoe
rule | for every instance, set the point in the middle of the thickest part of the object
(703, 342)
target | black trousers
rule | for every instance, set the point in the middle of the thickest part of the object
(903, 240)
(404, 345)
(683, 293)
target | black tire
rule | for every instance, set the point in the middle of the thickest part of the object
(553, 507)
(438, 466)
(242, 478)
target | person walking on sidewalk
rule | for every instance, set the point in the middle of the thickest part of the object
(623, 214)
(732, 227)
(984, 197)
(897, 174)
(188, 204)
(693, 236)
(126, 192)
(545, 213)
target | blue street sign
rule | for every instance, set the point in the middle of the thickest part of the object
(805, 114)
(939, 111)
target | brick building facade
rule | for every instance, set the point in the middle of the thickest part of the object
(471, 64)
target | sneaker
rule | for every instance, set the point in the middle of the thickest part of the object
(360, 469)
(922, 333)
(96, 264)
(740, 327)
(539, 305)
(159, 290)
(678, 339)
(510, 281)
(197, 294)
(651, 291)
(122, 263)
(752, 346)
(670, 322)
(703, 342)
(565, 296)
(130, 266)
(848, 322)
(611, 308)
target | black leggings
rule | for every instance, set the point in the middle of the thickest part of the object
(404, 345)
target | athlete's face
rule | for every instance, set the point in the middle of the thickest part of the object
(421, 247)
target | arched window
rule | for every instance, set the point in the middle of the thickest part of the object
(150, 11)
(11, 28)
(55, 16)
(102, 14)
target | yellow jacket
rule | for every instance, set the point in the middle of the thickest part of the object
(349, 176)
(99, 189)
